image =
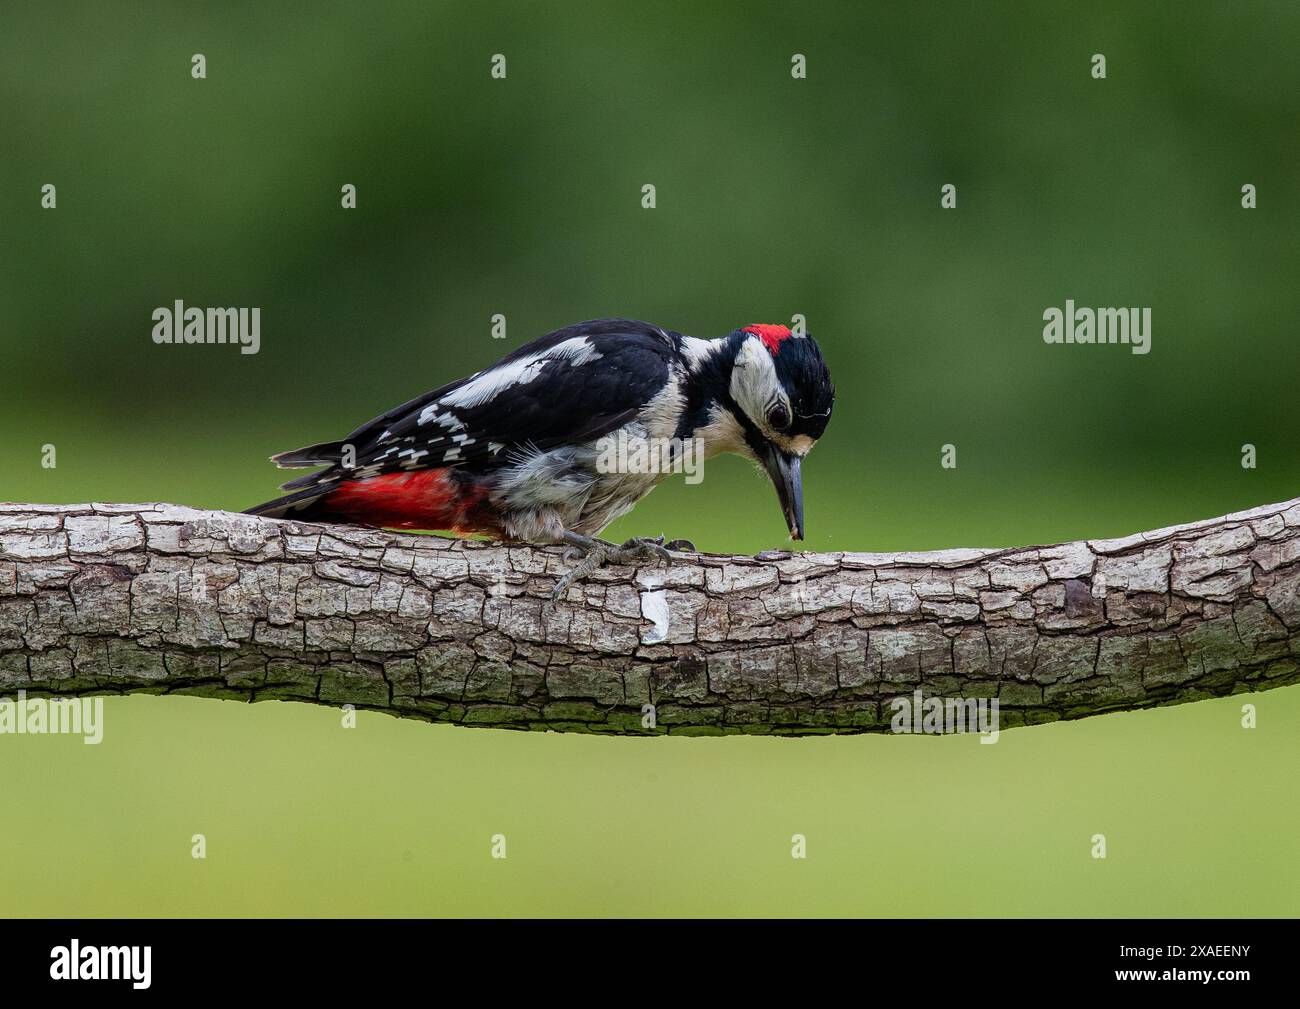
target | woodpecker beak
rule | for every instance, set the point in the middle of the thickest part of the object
(783, 468)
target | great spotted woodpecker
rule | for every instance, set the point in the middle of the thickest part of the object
(512, 451)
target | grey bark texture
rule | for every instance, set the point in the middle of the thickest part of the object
(157, 598)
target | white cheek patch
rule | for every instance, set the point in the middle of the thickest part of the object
(753, 380)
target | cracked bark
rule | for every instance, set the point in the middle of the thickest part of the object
(119, 598)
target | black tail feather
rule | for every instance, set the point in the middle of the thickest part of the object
(299, 505)
(325, 454)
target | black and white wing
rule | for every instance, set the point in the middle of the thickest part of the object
(567, 387)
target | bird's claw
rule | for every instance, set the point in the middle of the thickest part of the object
(597, 553)
(641, 548)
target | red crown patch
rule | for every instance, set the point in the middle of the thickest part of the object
(770, 335)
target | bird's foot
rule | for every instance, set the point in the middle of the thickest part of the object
(594, 553)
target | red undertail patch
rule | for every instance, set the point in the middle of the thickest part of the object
(423, 499)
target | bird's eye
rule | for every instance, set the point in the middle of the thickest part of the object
(778, 417)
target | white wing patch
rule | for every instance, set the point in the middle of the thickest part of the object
(488, 384)
(445, 419)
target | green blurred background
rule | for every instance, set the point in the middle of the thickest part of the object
(775, 196)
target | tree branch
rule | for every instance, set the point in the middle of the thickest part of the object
(156, 598)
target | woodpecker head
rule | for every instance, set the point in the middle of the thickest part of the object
(783, 396)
